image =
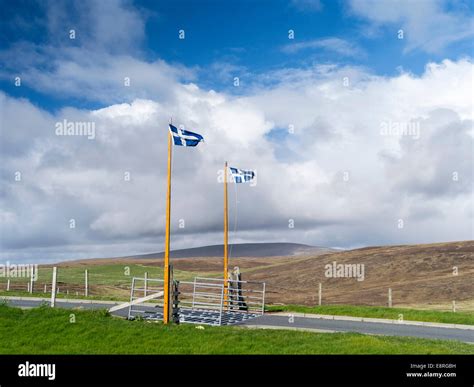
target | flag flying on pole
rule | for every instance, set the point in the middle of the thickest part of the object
(241, 176)
(185, 137)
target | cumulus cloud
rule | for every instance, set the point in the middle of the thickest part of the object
(103, 63)
(328, 144)
(349, 185)
(428, 25)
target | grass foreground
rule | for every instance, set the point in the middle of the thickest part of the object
(45, 330)
(466, 318)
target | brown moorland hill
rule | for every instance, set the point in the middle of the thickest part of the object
(417, 274)
(421, 275)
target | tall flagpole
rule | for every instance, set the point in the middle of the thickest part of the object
(166, 290)
(226, 236)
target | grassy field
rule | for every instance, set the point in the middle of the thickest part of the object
(107, 274)
(51, 331)
(381, 312)
(107, 281)
(420, 276)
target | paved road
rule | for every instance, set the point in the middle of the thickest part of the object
(273, 321)
(389, 329)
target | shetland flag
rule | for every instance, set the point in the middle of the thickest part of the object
(241, 176)
(183, 137)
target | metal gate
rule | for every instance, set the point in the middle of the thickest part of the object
(142, 287)
(203, 301)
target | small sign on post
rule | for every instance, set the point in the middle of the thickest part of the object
(53, 287)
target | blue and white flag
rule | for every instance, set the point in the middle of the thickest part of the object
(185, 137)
(241, 176)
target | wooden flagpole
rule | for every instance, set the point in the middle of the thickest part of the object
(226, 237)
(166, 289)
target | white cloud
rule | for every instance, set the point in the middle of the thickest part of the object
(337, 45)
(97, 76)
(112, 26)
(427, 25)
(104, 63)
(337, 134)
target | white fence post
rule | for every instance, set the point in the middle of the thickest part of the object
(145, 288)
(45, 288)
(32, 280)
(53, 287)
(86, 285)
(8, 285)
(320, 294)
(389, 297)
(454, 306)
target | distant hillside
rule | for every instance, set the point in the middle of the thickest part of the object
(427, 275)
(244, 250)
(417, 274)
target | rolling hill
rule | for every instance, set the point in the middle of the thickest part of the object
(424, 275)
(429, 274)
(244, 250)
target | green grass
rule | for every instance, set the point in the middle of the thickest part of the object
(381, 312)
(50, 331)
(70, 296)
(106, 282)
(107, 274)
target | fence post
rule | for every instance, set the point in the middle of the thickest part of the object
(53, 287)
(32, 280)
(28, 287)
(45, 288)
(8, 285)
(145, 288)
(86, 284)
(454, 306)
(389, 297)
(320, 295)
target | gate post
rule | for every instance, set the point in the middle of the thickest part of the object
(175, 302)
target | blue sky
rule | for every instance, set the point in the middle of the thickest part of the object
(241, 38)
(358, 137)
